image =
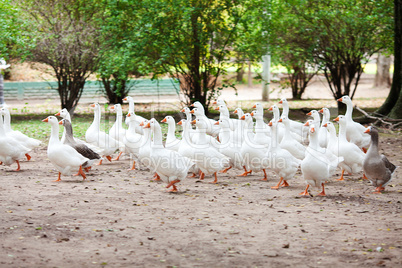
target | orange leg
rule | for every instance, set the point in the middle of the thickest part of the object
(1, 163)
(364, 177)
(173, 190)
(133, 167)
(82, 173)
(226, 169)
(28, 157)
(305, 193)
(323, 191)
(18, 163)
(378, 190)
(87, 169)
(100, 163)
(285, 184)
(277, 186)
(245, 172)
(202, 175)
(117, 157)
(341, 178)
(192, 176)
(59, 179)
(216, 178)
(265, 176)
(156, 177)
(108, 157)
(172, 183)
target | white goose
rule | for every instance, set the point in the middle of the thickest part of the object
(169, 165)
(172, 143)
(229, 146)
(281, 161)
(145, 149)
(199, 112)
(316, 167)
(187, 147)
(295, 126)
(138, 118)
(132, 140)
(23, 139)
(252, 152)
(225, 114)
(117, 131)
(11, 150)
(208, 159)
(64, 157)
(96, 137)
(354, 131)
(289, 143)
(353, 156)
(323, 132)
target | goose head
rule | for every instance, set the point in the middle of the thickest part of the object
(168, 119)
(63, 113)
(51, 120)
(345, 99)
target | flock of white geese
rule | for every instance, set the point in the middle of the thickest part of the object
(245, 143)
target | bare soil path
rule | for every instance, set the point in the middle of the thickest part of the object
(119, 218)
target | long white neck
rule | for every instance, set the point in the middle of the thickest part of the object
(325, 118)
(287, 135)
(274, 140)
(96, 123)
(313, 141)
(171, 131)
(202, 136)
(188, 117)
(349, 109)
(332, 137)
(185, 135)
(131, 105)
(285, 110)
(224, 135)
(146, 142)
(157, 132)
(276, 114)
(119, 117)
(342, 131)
(7, 121)
(2, 131)
(259, 122)
(54, 134)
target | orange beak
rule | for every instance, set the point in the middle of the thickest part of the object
(312, 130)
(280, 102)
(164, 120)
(270, 108)
(92, 105)
(280, 120)
(214, 102)
(217, 109)
(367, 131)
(255, 106)
(217, 123)
(307, 124)
(193, 122)
(243, 117)
(252, 114)
(321, 111)
(192, 112)
(270, 124)
(45, 120)
(336, 119)
(180, 123)
(111, 107)
(340, 99)
(192, 105)
(125, 99)
(142, 124)
(58, 114)
(309, 113)
(148, 125)
(325, 125)
(235, 112)
(182, 110)
(128, 115)
(61, 122)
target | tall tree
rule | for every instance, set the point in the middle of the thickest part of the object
(392, 107)
(67, 40)
(195, 40)
(347, 33)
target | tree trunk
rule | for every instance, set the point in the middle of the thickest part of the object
(393, 104)
(382, 76)
(250, 77)
(240, 73)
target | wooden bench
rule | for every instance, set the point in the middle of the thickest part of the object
(48, 90)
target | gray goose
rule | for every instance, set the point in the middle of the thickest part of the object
(376, 167)
(79, 147)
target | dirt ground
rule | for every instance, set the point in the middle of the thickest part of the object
(119, 218)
